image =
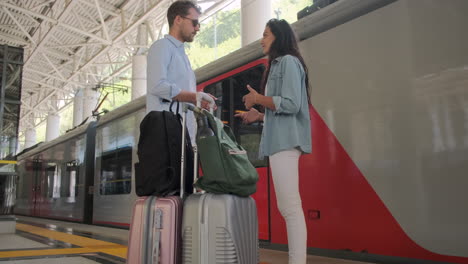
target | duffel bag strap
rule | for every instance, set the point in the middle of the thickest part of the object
(170, 106)
(230, 134)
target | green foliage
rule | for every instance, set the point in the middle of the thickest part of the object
(227, 27)
(200, 56)
(203, 50)
(118, 98)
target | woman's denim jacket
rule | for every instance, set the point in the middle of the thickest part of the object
(289, 125)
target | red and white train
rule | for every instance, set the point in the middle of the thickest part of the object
(387, 178)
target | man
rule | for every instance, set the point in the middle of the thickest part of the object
(169, 73)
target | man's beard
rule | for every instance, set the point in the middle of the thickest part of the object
(188, 37)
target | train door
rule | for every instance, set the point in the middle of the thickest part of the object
(49, 188)
(37, 186)
(229, 90)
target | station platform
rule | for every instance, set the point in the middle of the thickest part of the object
(45, 241)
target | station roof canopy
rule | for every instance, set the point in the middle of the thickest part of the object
(74, 44)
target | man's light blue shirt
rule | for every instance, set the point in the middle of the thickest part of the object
(168, 73)
(289, 125)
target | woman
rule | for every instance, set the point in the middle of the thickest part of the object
(286, 134)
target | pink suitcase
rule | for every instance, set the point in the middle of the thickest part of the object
(155, 231)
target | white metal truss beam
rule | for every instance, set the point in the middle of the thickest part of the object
(26, 11)
(129, 29)
(103, 24)
(14, 40)
(19, 25)
(63, 16)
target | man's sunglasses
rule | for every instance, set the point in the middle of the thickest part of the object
(195, 22)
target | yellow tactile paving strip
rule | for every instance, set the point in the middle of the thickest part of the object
(87, 245)
(45, 252)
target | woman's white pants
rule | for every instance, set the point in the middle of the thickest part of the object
(285, 171)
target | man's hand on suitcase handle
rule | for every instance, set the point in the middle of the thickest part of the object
(206, 100)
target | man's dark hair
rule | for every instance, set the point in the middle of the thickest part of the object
(180, 8)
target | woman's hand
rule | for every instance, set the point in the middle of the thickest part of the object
(251, 116)
(250, 99)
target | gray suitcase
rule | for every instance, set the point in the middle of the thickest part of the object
(219, 228)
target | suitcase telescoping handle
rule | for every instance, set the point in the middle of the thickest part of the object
(186, 106)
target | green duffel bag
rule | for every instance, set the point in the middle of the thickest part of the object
(226, 167)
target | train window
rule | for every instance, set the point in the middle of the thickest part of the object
(222, 102)
(69, 184)
(229, 93)
(116, 172)
(53, 181)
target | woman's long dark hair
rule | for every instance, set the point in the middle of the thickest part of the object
(285, 43)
